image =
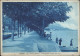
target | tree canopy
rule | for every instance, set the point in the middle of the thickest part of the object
(36, 15)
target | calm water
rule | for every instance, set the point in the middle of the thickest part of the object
(66, 36)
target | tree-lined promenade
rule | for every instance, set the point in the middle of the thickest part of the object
(33, 15)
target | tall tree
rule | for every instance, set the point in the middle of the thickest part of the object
(37, 15)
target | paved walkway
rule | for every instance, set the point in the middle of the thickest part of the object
(30, 42)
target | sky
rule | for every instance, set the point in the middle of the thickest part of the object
(72, 22)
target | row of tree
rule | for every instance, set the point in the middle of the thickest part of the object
(35, 15)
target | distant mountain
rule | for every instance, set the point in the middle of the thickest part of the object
(56, 27)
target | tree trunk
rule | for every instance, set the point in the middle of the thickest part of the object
(42, 30)
(18, 28)
(21, 28)
(13, 29)
(24, 29)
(28, 29)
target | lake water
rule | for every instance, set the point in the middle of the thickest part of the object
(66, 36)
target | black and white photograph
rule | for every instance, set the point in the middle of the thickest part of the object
(40, 27)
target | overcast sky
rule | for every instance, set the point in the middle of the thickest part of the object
(72, 22)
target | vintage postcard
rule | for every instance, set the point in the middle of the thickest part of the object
(39, 27)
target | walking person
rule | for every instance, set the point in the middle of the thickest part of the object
(60, 40)
(57, 40)
(47, 36)
(50, 35)
(71, 42)
(44, 35)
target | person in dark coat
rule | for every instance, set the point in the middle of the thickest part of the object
(50, 35)
(60, 40)
(57, 40)
(71, 42)
(45, 34)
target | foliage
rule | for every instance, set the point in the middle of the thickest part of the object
(36, 14)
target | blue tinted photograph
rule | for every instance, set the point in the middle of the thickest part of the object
(40, 27)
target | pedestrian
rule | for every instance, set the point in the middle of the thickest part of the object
(71, 42)
(60, 40)
(50, 35)
(44, 34)
(57, 40)
(47, 36)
